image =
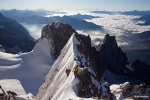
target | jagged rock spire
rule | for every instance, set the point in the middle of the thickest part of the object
(89, 82)
(58, 34)
(111, 56)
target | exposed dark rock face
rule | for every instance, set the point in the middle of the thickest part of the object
(58, 35)
(7, 95)
(137, 92)
(91, 51)
(111, 56)
(141, 70)
(10, 95)
(14, 37)
(93, 62)
(90, 81)
(86, 87)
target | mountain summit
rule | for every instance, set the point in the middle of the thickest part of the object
(57, 34)
(111, 56)
(60, 83)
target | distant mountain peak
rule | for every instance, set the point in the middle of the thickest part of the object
(14, 37)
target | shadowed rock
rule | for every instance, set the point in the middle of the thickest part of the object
(111, 56)
(58, 34)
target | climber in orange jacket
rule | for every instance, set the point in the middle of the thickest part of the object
(75, 69)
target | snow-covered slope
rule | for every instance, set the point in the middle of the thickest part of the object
(11, 89)
(57, 80)
(60, 86)
(12, 85)
(30, 68)
(118, 79)
(126, 90)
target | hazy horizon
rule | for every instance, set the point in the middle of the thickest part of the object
(109, 5)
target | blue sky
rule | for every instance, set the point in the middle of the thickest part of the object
(119, 5)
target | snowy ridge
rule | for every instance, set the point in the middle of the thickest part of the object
(60, 86)
(56, 84)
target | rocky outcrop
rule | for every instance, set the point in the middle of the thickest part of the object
(128, 91)
(108, 55)
(10, 95)
(92, 61)
(90, 51)
(58, 34)
(89, 82)
(90, 71)
(111, 56)
(91, 85)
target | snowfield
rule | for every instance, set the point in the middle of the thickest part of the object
(29, 68)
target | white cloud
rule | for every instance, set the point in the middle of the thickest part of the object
(123, 43)
(96, 36)
(34, 29)
(119, 24)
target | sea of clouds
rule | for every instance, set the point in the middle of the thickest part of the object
(124, 27)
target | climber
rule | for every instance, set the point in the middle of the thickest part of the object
(75, 69)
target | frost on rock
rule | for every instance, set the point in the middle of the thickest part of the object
(126, 90)
(58, 34)
(88, 85)
(11, 89)
(12, 85)
(28, 96)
